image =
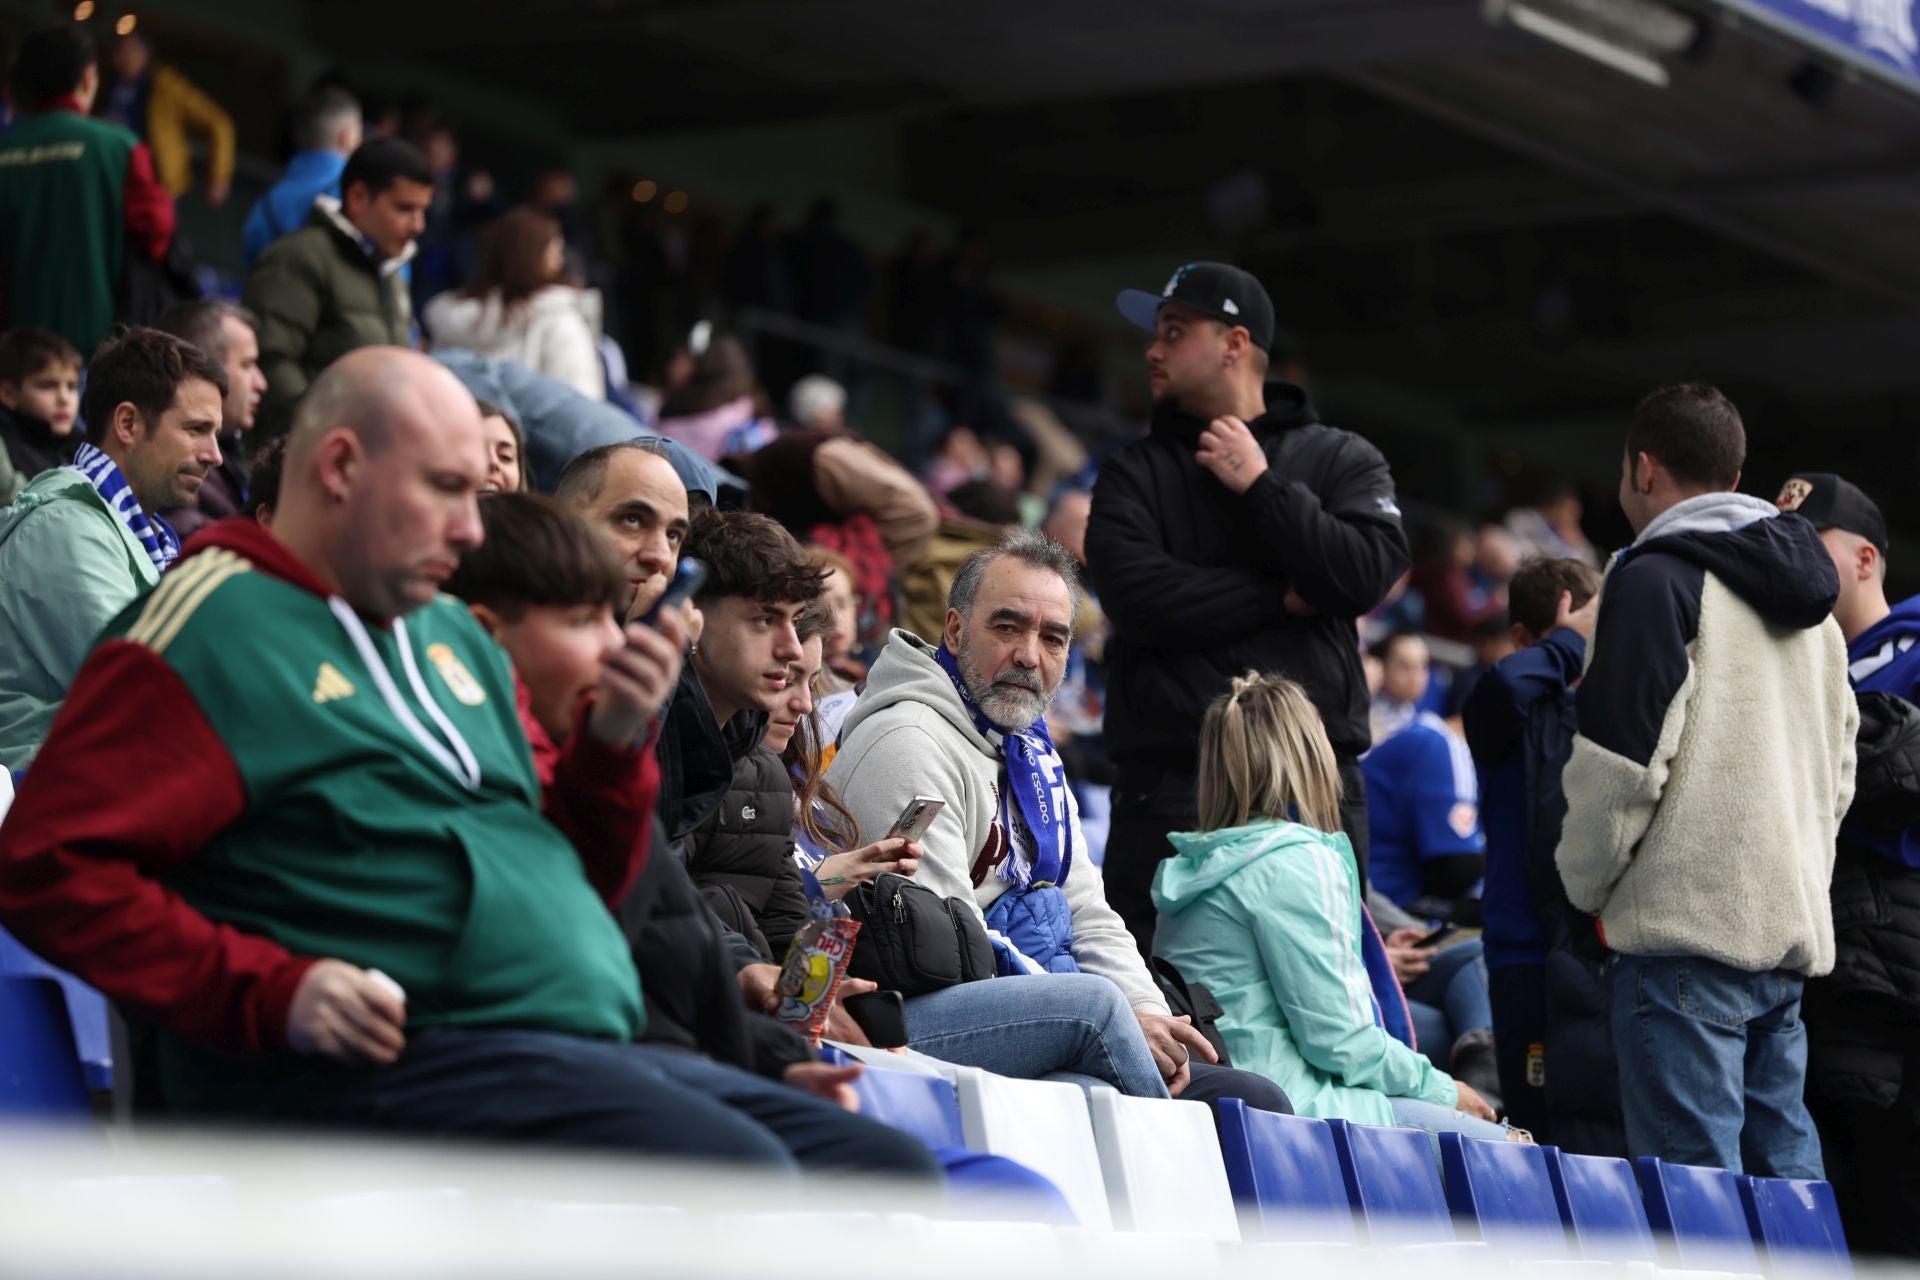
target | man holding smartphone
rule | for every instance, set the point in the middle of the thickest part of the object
(965, 723)
(1240, 533)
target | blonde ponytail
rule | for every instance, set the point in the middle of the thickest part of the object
(1265, 754)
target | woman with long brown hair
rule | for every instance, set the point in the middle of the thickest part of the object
(826, 836)
(522, 308)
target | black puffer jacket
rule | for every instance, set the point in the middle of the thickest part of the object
(1195, 578)
(1860, 1018)
(741, 856)
(688, 974)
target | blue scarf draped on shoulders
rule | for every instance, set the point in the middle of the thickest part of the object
(1036, 781)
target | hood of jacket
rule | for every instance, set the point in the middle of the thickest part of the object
(1773, 561)
(461, 321)
(1903, 621)
(1202, 861)
(1287, 407)
(328, 212)
(908, 672)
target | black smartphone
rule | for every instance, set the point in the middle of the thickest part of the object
(882, 1015)
(1438, 936)
(688, 577)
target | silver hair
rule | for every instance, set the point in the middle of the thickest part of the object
(1030, 547)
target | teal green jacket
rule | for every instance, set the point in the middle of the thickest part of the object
(68, 564)
(1268, 916)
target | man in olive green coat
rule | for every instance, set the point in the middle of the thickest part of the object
(84, 539)
(338, 283)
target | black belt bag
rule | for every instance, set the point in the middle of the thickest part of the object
(914, 941)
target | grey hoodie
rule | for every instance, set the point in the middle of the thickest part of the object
(909, 735)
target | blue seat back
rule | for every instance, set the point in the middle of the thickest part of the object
(86, 1008)
(40, 1074)
(1285, 1174)
(924, 1106)
(1700, 1210)
(1504, 1188)
(1393, 1182)
(1795, 1218)
(1599, 1200)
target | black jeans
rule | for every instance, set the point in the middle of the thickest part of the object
(1150, 802)
(1208, 1082)
(558, 1090)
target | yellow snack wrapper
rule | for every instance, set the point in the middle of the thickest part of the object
(810, 976)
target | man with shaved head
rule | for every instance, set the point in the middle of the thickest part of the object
(329, 887)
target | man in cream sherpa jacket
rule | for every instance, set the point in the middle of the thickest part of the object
(1714, 762)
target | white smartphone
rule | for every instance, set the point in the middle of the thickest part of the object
(917, 817)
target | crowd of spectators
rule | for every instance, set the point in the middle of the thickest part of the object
(497, 727)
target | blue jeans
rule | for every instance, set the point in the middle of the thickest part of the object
(1037, 1026)
(1450, 999)
(1713, 1065)
(1412, 1113)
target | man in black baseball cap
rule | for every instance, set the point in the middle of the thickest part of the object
(1855, 534)
(1862, 1047)
(1239, 534)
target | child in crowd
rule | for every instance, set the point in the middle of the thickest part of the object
(39, 402)
(506, 451)
(1549, 998)
(1262, 906)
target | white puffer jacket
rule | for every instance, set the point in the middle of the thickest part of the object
(555, 332)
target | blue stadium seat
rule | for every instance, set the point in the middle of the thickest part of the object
(1504, 1188)
(1699, 1211)
(1285, 1175)
(1392, 1182)
(86, 1009)
(1796, 1220)
(1599, 1201)
(40, 1073)
(922, 1105)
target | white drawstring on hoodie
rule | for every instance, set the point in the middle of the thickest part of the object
(465, 768)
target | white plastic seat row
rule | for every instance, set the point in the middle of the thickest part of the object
(1138, 1164)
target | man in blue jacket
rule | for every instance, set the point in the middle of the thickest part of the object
(1549, 1008)
(1863, 1068)
(326, 129)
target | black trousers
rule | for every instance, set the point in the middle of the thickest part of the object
(1518, 993)
(557, 1090)
(1150, 802)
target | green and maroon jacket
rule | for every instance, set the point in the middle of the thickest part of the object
(243, 781)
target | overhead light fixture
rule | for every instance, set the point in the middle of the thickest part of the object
(1630, 36)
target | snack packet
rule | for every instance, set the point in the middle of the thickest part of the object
(816, 964)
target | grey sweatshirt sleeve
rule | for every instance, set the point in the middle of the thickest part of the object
(882, 768)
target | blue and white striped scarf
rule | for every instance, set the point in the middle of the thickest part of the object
(156, 535)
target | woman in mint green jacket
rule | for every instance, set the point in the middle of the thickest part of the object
(1267, 913)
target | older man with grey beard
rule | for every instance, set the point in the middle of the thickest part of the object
(964, 723)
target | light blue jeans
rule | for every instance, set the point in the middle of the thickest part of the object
(1450, 999)
(1043, 1025)
(1411, 1113)
(1713, 1065)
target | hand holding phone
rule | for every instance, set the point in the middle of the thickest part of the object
(688, 577)
(916, 818)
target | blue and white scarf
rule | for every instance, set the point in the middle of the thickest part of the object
(156, 535)
(1037, 781)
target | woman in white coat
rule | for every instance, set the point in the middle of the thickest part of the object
(521, 307)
